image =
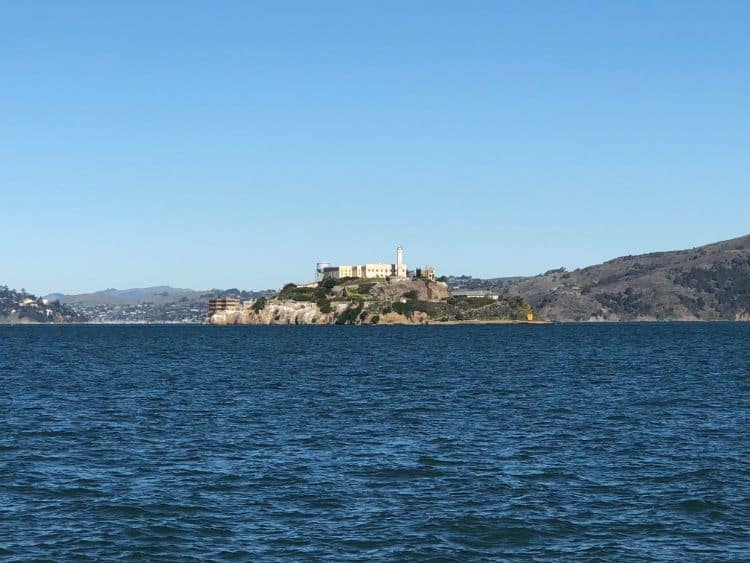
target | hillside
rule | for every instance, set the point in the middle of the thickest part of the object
(158, 294)
(19, 307)
(360, 301)
(710, 282)
(149, 304)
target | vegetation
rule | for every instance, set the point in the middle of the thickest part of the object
(470, 302)
(327, 283)
(464, 309)
(293, 293)
(711, 282)
(330, 283)
(325, 306)
(20, 306)
(351, 314)
(365, 288)
(369, 300)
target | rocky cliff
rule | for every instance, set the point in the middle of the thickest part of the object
(277, 311)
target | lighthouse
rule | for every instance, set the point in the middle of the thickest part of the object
(399, 267)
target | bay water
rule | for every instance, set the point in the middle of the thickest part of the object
(446, 443)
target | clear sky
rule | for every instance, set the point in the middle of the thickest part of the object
(234, 144)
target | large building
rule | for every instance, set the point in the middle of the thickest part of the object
(223, 304)
(396, 270)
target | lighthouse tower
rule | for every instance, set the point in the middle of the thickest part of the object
(400, 268)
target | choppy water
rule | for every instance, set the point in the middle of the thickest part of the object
(571, 442)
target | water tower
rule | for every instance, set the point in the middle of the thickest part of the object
(320, 270)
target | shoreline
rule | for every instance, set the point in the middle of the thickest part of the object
(490, 322)
(435, 323)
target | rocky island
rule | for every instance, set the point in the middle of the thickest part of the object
(366, 301)
(370, 293)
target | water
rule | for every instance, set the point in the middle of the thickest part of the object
(574, 442)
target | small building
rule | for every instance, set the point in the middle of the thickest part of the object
(223, 304)
(426, 273)
(477, 293)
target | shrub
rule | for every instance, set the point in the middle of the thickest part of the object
(365, 287)
(327, 283)
(351, 314)
(470, 302)
(405, 309)
(294, 293)
(259, 305)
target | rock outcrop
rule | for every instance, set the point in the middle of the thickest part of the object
(422, 290)
(282, 312)
(285, 312)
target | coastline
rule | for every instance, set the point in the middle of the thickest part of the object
(433, 323)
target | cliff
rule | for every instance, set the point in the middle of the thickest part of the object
(278, 311)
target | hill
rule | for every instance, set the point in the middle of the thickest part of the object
(710, 282)
(157, 294)
(19, 307)
(148, 304)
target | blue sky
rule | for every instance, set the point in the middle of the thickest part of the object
(234, 144)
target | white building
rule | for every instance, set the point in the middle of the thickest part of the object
(373, 270)
(476, 293)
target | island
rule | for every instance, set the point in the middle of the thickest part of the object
(362, 301)
(370, 294)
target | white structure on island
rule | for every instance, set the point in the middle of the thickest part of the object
(397, 270)
(320, 269)
(400, 262)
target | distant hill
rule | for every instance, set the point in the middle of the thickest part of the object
(710, 282)
(157, 294)
(149, 304)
